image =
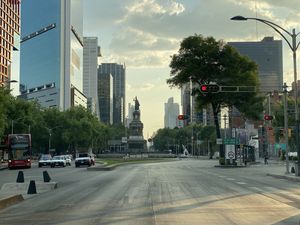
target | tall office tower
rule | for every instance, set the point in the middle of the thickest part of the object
(10, 44)
(118, 73)
(90, 71)
(171, 114)
(105, 97)
(268, 56)
(186, 102)
(52, 50)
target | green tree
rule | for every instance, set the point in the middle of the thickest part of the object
(205, 60)
(5, 101)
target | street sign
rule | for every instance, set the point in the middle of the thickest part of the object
(230, 152)
(231, 141)
(219, 141)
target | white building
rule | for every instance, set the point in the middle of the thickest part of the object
(171, 113)
(90, 71)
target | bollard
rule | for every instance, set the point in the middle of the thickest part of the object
(20, 178)
(46, 176)
(32, 188)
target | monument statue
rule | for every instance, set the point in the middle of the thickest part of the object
(136, 142)
(136, 104)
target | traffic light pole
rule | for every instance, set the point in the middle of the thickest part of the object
(286, 130)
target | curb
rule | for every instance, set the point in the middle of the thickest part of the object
(296, 179)
(8, 201)
(228, 167)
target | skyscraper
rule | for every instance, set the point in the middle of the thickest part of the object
(52, 49)
(268, 56)
(105, 97)
(90, 70)
(118, 73)
(10, 43)
(171, 114)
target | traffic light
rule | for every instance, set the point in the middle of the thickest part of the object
(268, 117)
(182, 117)
(209, 88)
(281, 132)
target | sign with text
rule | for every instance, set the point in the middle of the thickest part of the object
(231, 141)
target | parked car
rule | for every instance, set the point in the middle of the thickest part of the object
(59, 160)
(45, 160)
(68, 160)
(83, 159)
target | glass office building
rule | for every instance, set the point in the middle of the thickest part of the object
(52, 46)
(268, 56)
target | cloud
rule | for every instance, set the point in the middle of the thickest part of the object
(130, 39)
(144, 33)
(154, 8)
(142, 87)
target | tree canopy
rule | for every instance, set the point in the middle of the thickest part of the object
(203, 60)
(68, 130)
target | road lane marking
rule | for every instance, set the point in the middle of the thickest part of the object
(241, 182)
(230, 178)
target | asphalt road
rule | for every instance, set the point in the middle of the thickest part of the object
(180, 192)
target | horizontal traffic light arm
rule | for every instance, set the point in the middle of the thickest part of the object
(237, 89)
(215, 88)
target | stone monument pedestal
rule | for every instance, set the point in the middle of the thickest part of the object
(136, 142)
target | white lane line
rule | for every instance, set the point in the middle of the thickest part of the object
(230, 178)
(222, 176)
(241, 182)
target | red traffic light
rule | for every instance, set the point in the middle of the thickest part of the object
(203, 88)
(268, 117)
(182, 117)
(209, 88)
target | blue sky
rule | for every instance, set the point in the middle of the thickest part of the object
(143, 34)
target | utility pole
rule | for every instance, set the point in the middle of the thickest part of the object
(225, 121)
(286, 130)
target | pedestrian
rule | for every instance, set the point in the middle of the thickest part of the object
(266, 158)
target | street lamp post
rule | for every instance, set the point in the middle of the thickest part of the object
(293, 46)
(12, 124)
(50, 133)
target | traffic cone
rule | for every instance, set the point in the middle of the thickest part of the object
(20, 178)
(32, 188)
(46, 176)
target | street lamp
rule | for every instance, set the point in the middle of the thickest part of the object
(293, 46)
(49, 141)
(12, 124)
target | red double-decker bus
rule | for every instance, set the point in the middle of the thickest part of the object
(19, 151)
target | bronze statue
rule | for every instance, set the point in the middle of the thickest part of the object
(136, 104)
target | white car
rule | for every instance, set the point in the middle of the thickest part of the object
(68, 160)
(45, 160)
(83, 159)
(58, 160)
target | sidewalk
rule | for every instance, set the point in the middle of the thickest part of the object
(277, 168)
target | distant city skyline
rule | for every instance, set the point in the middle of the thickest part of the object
(143, 34)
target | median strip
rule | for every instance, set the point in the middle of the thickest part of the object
(10, 200)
